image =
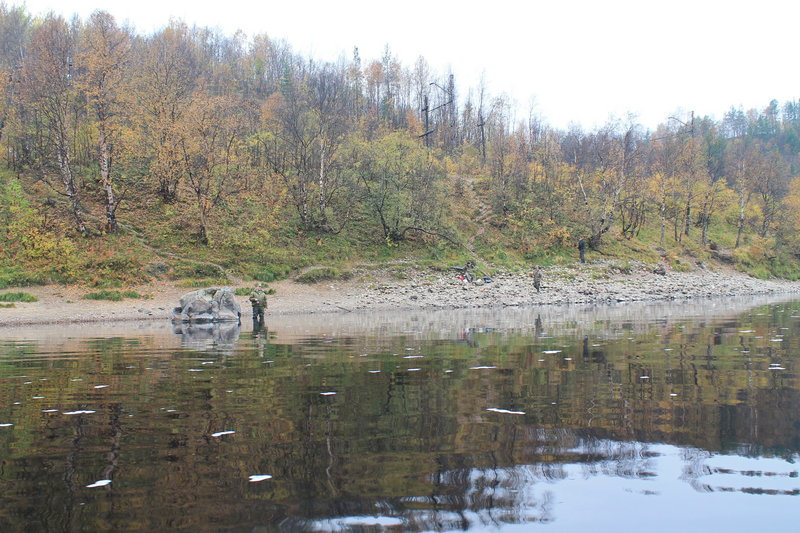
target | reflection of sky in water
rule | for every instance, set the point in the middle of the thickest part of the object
(345, 523)
(662, 488)
(671, 502)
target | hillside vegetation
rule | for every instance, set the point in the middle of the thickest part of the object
(190, 155)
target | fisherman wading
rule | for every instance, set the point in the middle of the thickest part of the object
(258, 299)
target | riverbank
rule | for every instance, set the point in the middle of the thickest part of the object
(397, 288)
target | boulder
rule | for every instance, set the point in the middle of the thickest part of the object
(214, 304)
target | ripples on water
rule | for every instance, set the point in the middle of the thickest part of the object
(582, 418)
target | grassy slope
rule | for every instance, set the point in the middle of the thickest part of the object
(157, 241)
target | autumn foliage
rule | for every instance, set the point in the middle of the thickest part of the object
(241, 149)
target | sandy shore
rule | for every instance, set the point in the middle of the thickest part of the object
(382, 289)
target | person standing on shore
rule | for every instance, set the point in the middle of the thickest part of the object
(582, 249)
(537, 278)
(258, 299)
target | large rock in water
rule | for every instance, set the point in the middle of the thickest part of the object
(214, 304)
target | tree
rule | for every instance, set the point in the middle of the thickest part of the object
(691, 172)
(661, 190)
(663, 183)
(47, 85)
(741, 162)
(616, 151)
(213, 163)
(507, 165)
(305, 125)
(400, 186)
(167, 72)
(104, 57)
(714, 193)
(791, 222)
(14, 27)
(770, 186)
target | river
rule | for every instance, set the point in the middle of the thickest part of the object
(659, 417)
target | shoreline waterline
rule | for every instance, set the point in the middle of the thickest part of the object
(373, 290)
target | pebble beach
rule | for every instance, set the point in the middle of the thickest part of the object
(400, 288)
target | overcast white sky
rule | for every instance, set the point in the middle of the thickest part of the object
(576, 60)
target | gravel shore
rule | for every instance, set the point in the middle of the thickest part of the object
(399, 288)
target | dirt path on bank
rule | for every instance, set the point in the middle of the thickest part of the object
(393, 288)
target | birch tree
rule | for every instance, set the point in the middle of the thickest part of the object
(741, 163)
(615, 152)
(167, 73)
(104, 57)
(305, 126)
(48, 86)
(211, 138)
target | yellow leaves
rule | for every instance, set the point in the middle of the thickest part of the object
(24, 235)
(272, 106)
(792, 201)
(103, 57)
(468, 162)
(559, 236)
(450, 165)
(790, 221)
(596, 179)
(758, 251)
(374, 73)
(38, 244)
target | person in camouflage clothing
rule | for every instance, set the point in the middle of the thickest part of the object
(258, 299)
(537, 278)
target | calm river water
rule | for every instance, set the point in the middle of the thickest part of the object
(648, 417)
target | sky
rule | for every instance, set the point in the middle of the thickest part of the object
(577, 62)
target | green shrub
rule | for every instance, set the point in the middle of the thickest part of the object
(436, 253)
(195, 283)
(197, 270)
(784, 267)
(244, 291)
(17, 297)
(109, 268)
(270, 273)
(760, 272)
(316, 275)
(676, 265)
(114, 296)
(133, 294)
(107, 284)
(6, 306)
(17, 277)
(549, 256)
